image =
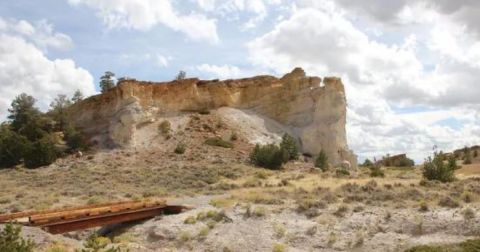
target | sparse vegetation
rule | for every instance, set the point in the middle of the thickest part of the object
(40, 153)
(233, 136)
(107, 81)
(376, 171)
(219, 142)
(277, 247)
(437, 169)
(341, 172)
(322, 161)
(181, 75)
(290, 146)
(466, 246)
(11, 240)
(165, 128)
(268, 156)
(367, 163)
(180, 148)
(96, 243)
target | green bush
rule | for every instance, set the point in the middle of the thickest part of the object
(437, 169)
(322, 161)
(466, 246)
(268, 156)
(341, 172)
(165, 127)
(40, 153)
(367, 163)
(180, 149)
(217, 141)
(12, 147)
(376, 171)
(75, 139)
(96, 243)
(290, 146)
(11, 241)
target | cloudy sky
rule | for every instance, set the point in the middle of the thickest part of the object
(411, 68)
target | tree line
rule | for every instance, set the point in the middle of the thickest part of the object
(34, 138)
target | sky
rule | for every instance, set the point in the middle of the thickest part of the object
(411, 68)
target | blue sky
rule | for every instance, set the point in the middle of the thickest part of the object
(410, 67)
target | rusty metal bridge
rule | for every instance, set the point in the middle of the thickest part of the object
(64, 220)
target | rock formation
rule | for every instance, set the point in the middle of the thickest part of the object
(312, 110)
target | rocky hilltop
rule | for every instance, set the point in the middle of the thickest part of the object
(309, 108)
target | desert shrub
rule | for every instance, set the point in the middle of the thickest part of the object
(468, 158)
(367, 163)
(423, 207)
(341, 211)
(217, 141)
(12, 147)
(10, 240)
(468, 214)
(376, 171)
(322, 161)
(466, 246)
(277, 247)
(268, 156)
(165, 127)
(437, 169)
(40, 153)
(233, 136)
(96, 243)
(475, 153)
(190, 220)
(290, 146)
(75, 139)
(448, 202)
(340, 172)
(180, 149)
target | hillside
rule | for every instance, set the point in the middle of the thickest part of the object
(138, 128)
(309, 108)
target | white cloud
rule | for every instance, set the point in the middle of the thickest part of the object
(25, 67)
(145, 14)
(320, 38)
(258, 8)
(222, 72)
(42, 34)
(156, 59)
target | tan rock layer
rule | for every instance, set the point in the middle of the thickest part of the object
(314, 111)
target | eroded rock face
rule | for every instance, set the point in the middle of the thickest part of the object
(312, 110)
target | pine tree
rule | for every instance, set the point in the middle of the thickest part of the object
(77, 96)
(322, 161)
(59, 112)
(290, 146)
(107, 81)
(181, 75)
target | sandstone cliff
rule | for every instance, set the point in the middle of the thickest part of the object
(312, 110)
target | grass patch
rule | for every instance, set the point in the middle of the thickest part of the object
(466, 246)
(219, 142)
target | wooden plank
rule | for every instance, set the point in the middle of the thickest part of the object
(13, 216)
(70, 214)
(106, 219)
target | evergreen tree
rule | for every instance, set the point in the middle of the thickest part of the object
(41, 152)
(322, 161)
(290, 146)
(12, 147)
(77, 96)
(26, 119)
(181, 75)
(107, 81)
(59, 111)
